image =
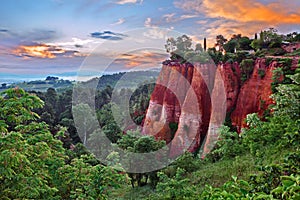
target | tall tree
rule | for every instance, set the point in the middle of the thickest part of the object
(220, 41)
(32, 161)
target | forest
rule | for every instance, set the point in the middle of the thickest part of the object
(43, 157)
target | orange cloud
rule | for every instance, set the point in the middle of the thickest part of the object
(43, 51)
(245, 10)
(142, 59)
(40, 51)
(228, 17)
(228, 28)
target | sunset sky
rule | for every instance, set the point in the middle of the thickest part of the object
(54, 37)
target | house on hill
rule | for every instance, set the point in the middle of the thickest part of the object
(290, 47)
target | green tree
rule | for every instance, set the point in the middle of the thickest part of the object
(268, 39)
(133, 142)
(244, 43)
(220, 41)
(29, 155)
(177, 48)
(16, 108)
(288, 98)
(171, 45)
(33, 162)
(183, 43)
(198, 48)
(231, 46)
(85, 121)
(257, 44)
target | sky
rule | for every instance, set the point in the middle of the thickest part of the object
(66, 38)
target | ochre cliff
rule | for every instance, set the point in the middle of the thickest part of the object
(254, 95)
(198, 97)
(181, 96)
(224, 97)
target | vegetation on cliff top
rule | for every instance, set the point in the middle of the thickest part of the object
(236, 49)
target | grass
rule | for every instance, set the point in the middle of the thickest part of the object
(129, 193)
(215, 174)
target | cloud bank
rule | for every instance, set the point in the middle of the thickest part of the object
(43, 51)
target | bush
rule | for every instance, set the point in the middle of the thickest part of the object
(229, 57)
(202, 58)
(241, 55)
(268, 61)
(247, 67)
(261, 73)
(187, 162)
(278, 52)
(188, 56)
(228, 146)
(175, 188)
(276, 78)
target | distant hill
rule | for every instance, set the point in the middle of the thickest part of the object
(129, 80)
(126, 80)
(42, 85)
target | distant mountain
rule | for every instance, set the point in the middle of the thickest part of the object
(42, 85)
(124, 79)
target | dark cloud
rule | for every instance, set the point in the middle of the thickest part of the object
(108, 35)
(41, 35)
(37, 35)
(78, 46)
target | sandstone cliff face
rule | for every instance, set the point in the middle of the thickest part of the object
(195, 115)
(181, 95)
(199, 96)
(224, 97)
(254, 95)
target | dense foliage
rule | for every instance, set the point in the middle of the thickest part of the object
(34, 164)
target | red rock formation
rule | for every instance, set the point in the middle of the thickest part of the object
(254, 95)
(152, 124)
(195, 115)
(197, 98)
(231, 76)
(223, 95)
(181, 95)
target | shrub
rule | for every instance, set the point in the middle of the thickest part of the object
(173, 127)
(175, 188)
(228, 146)
(268, 61)
(187, 162)
(241, 55)
(276, 76)
(247, 67)
(261, 73)
(229, 57)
